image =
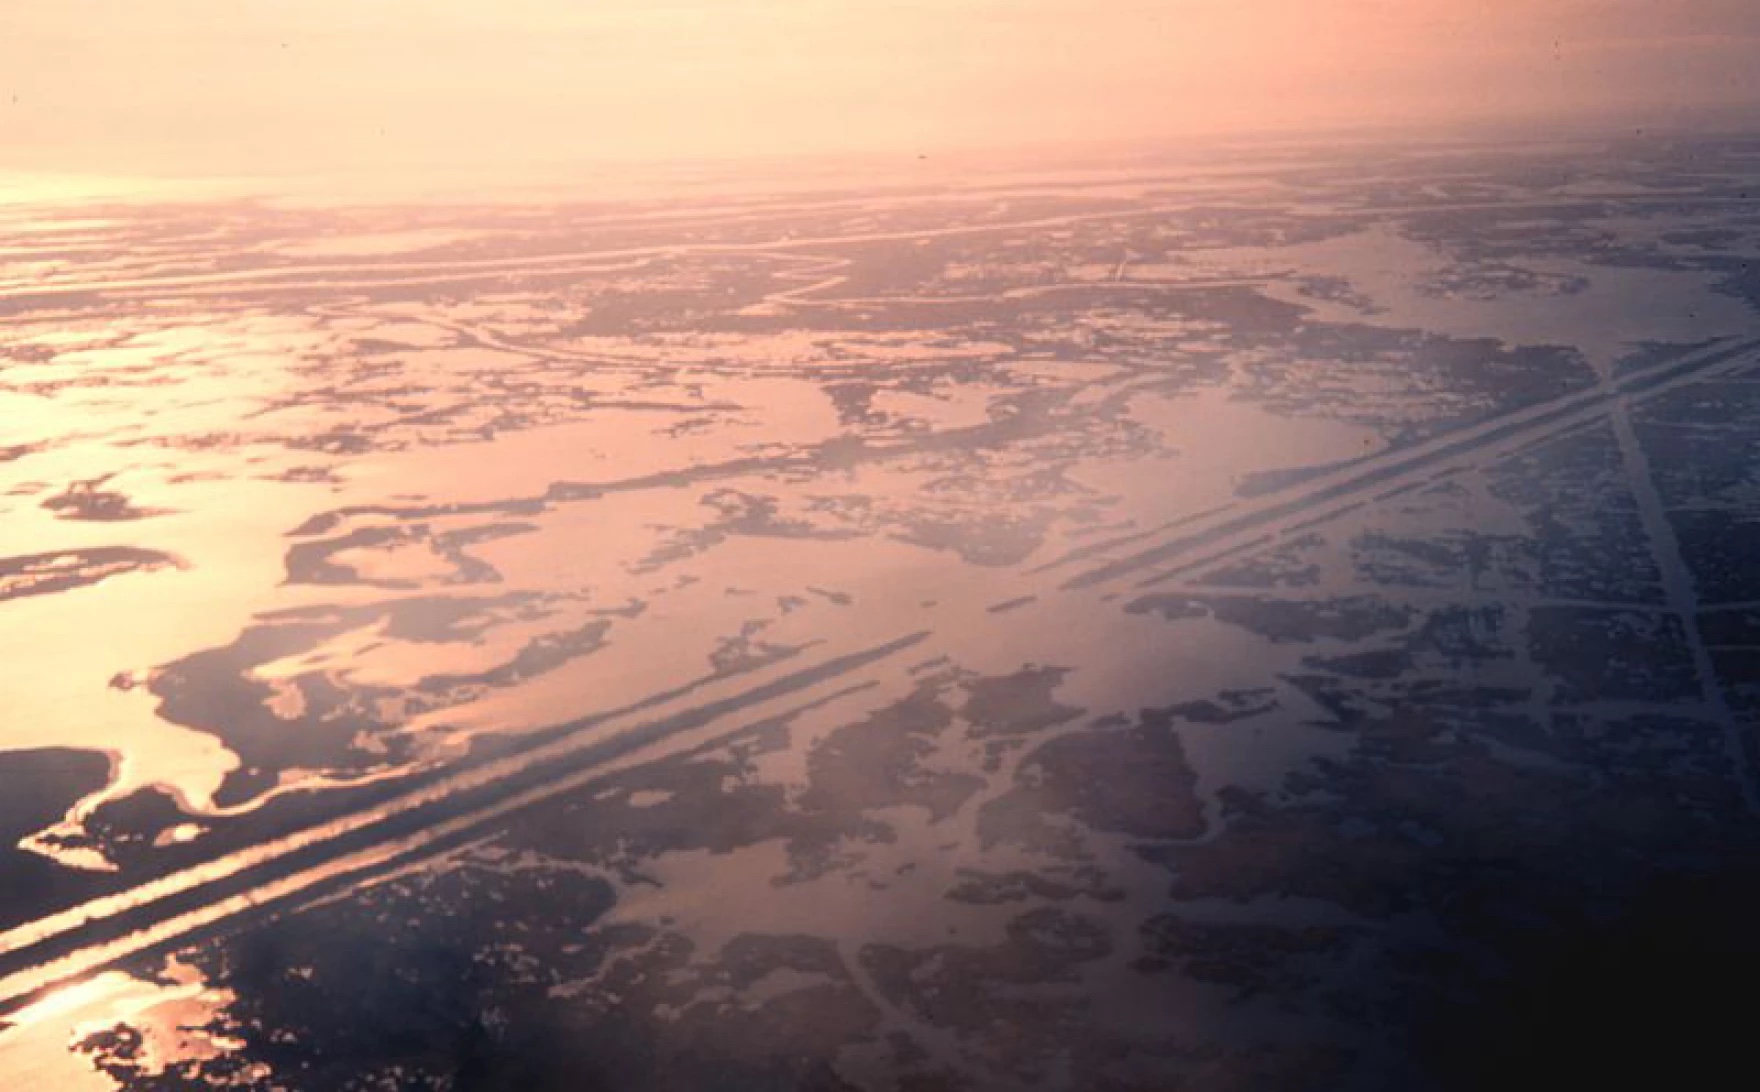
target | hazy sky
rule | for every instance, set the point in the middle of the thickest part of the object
(201, 87)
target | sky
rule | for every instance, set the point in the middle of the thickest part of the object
(189, 89)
